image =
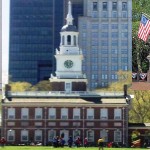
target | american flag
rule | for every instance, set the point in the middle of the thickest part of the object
(144, 29)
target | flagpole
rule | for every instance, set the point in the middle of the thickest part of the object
(146, 15)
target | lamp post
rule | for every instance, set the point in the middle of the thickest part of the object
(45, 125)
(123, 109)
(83, 108)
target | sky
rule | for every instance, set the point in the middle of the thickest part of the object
(5, 40)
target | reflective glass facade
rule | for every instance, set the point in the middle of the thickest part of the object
(34, 36)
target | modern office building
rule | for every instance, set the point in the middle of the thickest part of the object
(105, 39)
(34, 35)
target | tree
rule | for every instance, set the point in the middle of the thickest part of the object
(139, 112)
(44, 85)
(20, 86)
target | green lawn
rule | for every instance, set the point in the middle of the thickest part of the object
(65, 148)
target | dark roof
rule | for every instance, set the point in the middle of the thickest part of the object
(138, 124)
(140, 86)
(69, 28)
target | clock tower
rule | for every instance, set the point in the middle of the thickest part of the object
(69, 76)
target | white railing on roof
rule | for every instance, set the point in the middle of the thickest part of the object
(63, 93)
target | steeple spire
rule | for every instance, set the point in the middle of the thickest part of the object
(69, 15)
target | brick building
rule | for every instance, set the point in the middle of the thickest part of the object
(38, 117)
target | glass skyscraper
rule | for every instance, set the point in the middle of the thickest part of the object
(34, 36)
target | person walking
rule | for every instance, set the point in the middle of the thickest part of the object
(101, 143)
(3, 141)
(85, 142)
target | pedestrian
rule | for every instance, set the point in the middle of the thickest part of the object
(85, 142)
(101, 143)
(70, 141)
(3, 141)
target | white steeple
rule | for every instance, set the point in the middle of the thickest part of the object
(69, 15)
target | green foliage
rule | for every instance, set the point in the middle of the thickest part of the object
(42, 86)
(20, 86)
(140, 49)
(139, 112)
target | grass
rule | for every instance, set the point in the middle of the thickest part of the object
(65, 148)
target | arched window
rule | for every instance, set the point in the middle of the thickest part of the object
(75, 40)
(63, 40)
(69, 40)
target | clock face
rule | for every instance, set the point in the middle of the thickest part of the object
(68, 63)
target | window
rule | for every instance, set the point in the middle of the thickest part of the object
(11, 113)
(68, 40)
(75, 40)
(24, 135)
(76, 113)
(124, 59)
(114, 77)
(114, 67)
(95, 26)
(124, 34)
(104, 76)
(90, 113)
(52, 113)
(24, 113)
(90, 135)
(104, 26)
(124, 6)
(63, 40)
(117, 136)
(114, 26)
(104, 68)
(114, 59)
(10, 135)
(38, 135)
(125, 68)
(104, 113)
(76, 134)
(68, 87)
(51, 135)
(104, 6)
(104, 134)
(114, 35)
(95, 6)
(114, 6)
(64, 113)
(117, 114)
(104, 34)
(38, 113)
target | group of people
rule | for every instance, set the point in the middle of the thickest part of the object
(60, 142)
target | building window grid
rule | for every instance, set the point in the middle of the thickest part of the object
(52, 113)
(104, 134)
(76, 113)
(38, 113)
(24, 135)
(117, 136)
(103, 114)
(104, 6)
(11, 113)
(90, 113)
(95, 6)
(117, 114)
(64, 113)
(90, 135)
